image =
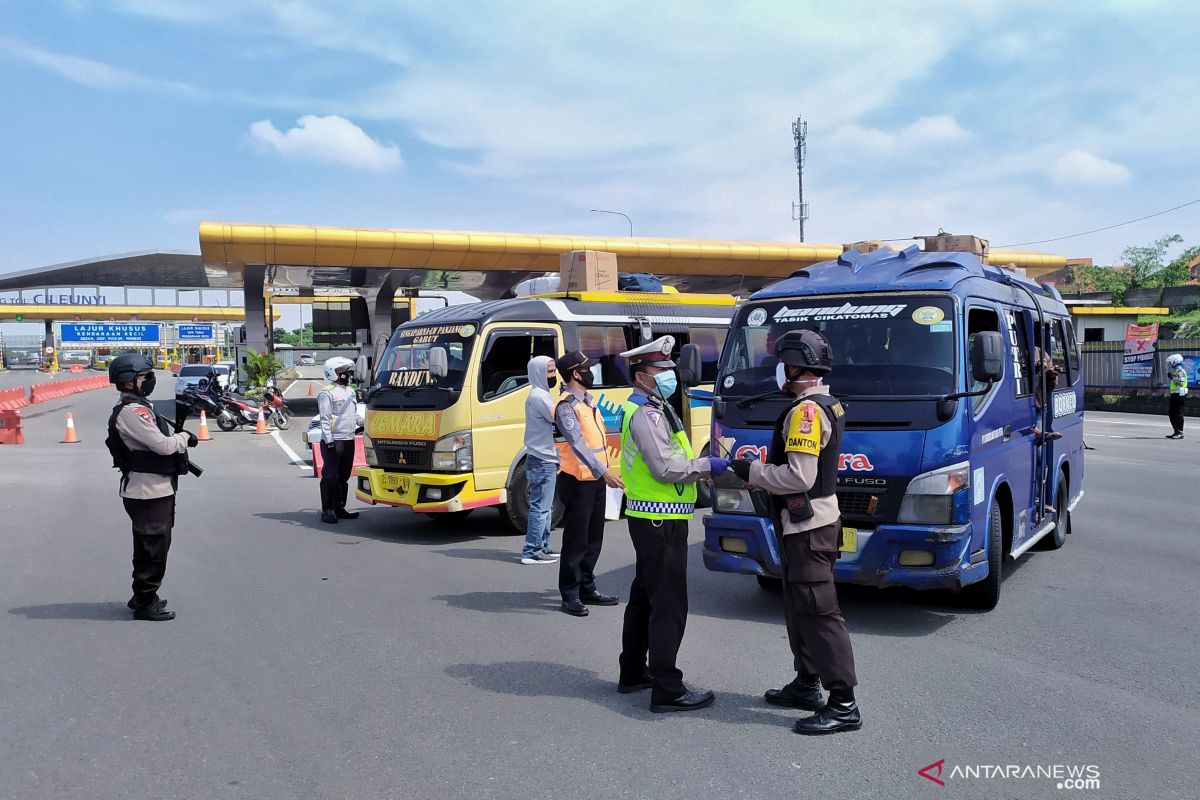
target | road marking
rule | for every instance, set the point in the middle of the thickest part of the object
(1118, 421)
(289, 452)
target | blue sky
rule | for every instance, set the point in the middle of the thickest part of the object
(128, 121)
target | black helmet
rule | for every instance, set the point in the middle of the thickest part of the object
(805, 349)
(125, 368)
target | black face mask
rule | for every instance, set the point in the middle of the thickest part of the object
(148, 384)
(343, 378)
(586, 379)
(551, 383)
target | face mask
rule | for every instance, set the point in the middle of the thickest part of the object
(667, 383)
(552, 382)
(586, 379)
(343, 378)
(148, 383)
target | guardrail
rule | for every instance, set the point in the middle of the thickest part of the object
(12, 399)
(52, 390)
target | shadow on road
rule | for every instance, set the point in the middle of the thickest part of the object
(380, 524)
(546, 679)
(92, 611)
(528, 602)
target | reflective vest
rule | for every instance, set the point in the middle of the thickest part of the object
(1179, 380)
(591, 425)
(645, 496)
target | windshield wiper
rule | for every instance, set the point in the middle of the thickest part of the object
(747, 401)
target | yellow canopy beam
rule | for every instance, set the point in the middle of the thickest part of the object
(67, 313)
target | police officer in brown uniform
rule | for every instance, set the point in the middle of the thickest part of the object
(150, 459)
(801, 475)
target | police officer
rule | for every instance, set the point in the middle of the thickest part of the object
(660, 474)
(151, 459)
(801, 474)
(337, 405)
(1179, 390)
(581, 439)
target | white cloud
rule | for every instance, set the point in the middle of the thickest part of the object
(332, 139)
(84, 70)
(925, 133)
(1081, 168)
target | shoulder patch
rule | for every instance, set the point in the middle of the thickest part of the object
(804, 431)
(568, 421)
(144, 413)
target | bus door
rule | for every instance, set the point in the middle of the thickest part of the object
(498, 396)
(998, 443)
(1025, 476)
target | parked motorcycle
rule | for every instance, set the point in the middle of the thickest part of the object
(237, 411)
(273, 399)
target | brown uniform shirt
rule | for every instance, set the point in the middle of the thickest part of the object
(136, 425)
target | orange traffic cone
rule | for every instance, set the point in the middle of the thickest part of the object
(312, 389)
(70, 437)
(261, 425)
(202, 432)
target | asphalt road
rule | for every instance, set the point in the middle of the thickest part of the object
(397, 657)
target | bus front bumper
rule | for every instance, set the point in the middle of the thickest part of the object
(426, 492)
(884, 556)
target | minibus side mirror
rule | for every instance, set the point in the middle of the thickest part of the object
(439, 362)
(987, 357)
(689, 365)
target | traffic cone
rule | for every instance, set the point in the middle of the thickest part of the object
(261, 425)
(70, 437)
(312, 389)
(202, 432)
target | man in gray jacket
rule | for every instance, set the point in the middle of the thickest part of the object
(541, 461)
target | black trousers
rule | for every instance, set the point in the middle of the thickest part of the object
(337, 467)
(583, 534)
(152, 524)
(817, 632)
(1175, 412)
(658, 603)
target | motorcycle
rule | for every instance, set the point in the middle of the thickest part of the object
(273, 399)
(194, 399)
(237, 411)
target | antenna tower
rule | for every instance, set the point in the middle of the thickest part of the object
(800, 208)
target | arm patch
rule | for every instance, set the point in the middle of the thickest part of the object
(146, 414)
(804, 431)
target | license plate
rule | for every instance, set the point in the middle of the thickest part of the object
(849, 540)
(394, 482)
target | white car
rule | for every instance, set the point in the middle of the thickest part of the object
(224, 369)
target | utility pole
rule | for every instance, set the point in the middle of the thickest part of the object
(800, 136)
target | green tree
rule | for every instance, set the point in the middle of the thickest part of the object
(1146, 261)
(260, 366)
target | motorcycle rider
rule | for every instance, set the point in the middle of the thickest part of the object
(337, 406)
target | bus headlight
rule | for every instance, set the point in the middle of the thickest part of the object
(452, 453)
(369, 451)
(733, 501)
(940, 497)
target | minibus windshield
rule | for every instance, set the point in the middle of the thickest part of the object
(405, 362)
(883, 345)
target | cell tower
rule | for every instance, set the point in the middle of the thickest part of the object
(800, 208)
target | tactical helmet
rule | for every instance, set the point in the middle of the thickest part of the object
(125, 368)
(808, 350)
(1174, 360)
(335, 365)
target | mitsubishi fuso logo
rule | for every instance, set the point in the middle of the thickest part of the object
(844, 311)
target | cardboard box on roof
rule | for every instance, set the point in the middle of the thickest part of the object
(587, 271)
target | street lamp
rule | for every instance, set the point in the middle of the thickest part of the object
(619, 213)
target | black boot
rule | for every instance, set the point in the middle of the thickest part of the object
(158, 602)
(839, 714)
(802, 693)
(342, 513)
(690, 700)
(153, 614)
(328, 516)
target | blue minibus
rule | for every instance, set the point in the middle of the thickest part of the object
(964, 418)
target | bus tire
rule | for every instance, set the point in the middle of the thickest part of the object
(516, 510)
(1058, 537)
(770, 584)
(985, 594)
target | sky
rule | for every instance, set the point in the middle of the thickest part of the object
(126, 122)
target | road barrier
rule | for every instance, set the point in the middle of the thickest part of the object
(360, 457)
(52, 390)
(12, 399)
(10, 427)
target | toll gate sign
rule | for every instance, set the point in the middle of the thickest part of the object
(110, 334)
(197, 333)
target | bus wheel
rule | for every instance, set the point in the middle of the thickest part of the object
(1058, 537)
(985, 594)
(769, 583)
(450, 516)
(516, 510)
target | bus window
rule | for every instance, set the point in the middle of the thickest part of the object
(978, 320)
(710, 341)
(505, 366)
(1066, 338)
(604, 344)
(1058, 352)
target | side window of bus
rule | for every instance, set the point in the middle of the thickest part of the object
(1068, 340)
(979, 319)
(710, 341)
(604, 344)
(1058, 353)
(505, 364)
(1019, 342)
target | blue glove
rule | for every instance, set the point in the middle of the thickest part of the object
(717, 465)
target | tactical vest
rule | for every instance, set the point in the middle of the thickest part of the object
(645, 496)
(128, 460)
(827, 461)
(591, 425)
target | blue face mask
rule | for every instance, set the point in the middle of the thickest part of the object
(667, 383)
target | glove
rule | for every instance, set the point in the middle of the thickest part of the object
(717, 465)
(741, 468)
(192, 440)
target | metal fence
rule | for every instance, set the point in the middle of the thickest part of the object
(1102, 365)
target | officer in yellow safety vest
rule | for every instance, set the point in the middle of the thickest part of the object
(660, 473)
(1179, 390)
(583, 471)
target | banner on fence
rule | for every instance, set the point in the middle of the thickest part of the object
(1138, 362)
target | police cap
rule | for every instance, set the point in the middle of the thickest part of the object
(654, 354)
